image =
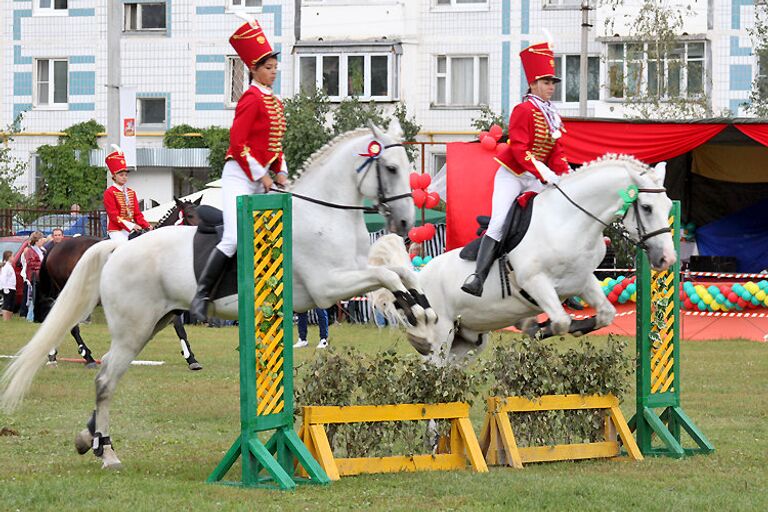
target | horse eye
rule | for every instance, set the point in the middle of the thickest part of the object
(647, 208)
(392, 169)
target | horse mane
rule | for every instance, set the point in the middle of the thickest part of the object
(165, 217)
(610, 158)
(320, 156)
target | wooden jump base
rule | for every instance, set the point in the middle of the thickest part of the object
(498, 440)
(463, 443)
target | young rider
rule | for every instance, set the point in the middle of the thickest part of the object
(120, 202)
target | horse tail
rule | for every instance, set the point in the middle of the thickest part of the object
(76, 300)
(388, 250)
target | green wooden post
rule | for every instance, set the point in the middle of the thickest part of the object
(658, 359)
(266, 350)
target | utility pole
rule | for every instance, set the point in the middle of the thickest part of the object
(114, 31)
(584, 60)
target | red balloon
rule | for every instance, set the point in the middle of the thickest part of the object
(495, 132)
(415, 235)
(500, 148)
(725, 289)
(741, 302)
(433, 199)
(688, 304)
(613, 297)
(428, 231)
(424, 180)
(488, 143)
(482, 135)
(733, 297)
(419, 197)
(414, 180)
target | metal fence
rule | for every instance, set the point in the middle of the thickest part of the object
(25, 221)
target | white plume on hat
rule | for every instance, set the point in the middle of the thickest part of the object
(116, 148)
(245, 17)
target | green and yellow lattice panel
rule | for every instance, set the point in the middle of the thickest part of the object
(662, 332)
(268, 310)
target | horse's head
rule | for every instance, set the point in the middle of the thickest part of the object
(647, 220)
(184, 213)
(385, 177)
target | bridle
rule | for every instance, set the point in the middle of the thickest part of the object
(642, 234)
(375, 149)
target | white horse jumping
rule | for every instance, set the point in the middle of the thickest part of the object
(140, 292)
(555, 260)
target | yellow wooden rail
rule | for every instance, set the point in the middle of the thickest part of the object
(500, 448)
(462, 443)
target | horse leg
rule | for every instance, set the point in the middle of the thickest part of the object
(411, 281)
(595, 297)
(540, 287)
(83, 349)
(186, 348)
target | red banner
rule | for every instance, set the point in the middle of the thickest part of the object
(758, 132)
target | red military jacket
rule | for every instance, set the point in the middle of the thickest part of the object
(529, 138)
(118, 211)
(257, 130)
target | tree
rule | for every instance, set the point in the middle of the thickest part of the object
(306, 132)
(758, 97)
(11, 168)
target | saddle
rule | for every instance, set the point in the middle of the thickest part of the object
(207, 236)
(515, 226)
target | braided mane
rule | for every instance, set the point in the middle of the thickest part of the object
(319, 156)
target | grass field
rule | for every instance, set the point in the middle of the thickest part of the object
(171, 427)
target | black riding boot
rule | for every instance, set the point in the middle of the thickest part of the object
(208, 279)
(485, 258)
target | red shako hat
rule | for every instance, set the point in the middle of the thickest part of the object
(116, 160)
(539, 62)
(250, 43)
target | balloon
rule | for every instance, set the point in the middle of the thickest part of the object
(495, 132)
(433, 199)
(760, 295)
(419, 198)
(482, 135)
(702, 306)
(429, 231)
(688, 304)
(424, 180)
(414, 235)
(414, 179)
(695, 299)
(488, 143)
(427, 259)
(417, 261)
(732, 297)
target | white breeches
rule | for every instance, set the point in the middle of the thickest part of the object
(506, 187)
(234, 183)
(119, 235)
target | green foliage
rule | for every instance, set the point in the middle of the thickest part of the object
(533, 368)
(67, 174)
(178, 137)
(215, 138)
(487, 119)
(758, 97)
(410, 127)
(352, 378)
(11, 168)
(622, 248)
(306, 131)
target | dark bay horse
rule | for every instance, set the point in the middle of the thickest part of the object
(61, 260)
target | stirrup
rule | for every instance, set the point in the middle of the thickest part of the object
(467, 286)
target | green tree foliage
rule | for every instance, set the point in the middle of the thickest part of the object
(305, 116)
(215, 138)
(11, 168)
(758, 97)
(351, 114)
(68, 176)
(487, 119)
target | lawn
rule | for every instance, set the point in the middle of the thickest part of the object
(171, 427)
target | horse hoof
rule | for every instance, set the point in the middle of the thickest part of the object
(51, 364)
(91, 365)
(110, 460)
(195, 366)
(83, 441)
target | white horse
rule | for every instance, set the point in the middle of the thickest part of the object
(143, 282)
(555, 260)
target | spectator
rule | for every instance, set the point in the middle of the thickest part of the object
(8, 285)
(322, 323)
(34, 258)
(74, 210)
(57, 236)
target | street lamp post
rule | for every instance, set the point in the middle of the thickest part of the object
(584, 60)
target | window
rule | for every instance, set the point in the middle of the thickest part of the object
(461, 81)
(152, 112)
(438, 161)
(568, 4)
(762, 75)
(366, 76)
(140, 16)
(237, 80)
(461, 3)
(246, 5)
(50, 7)
(568, 68)
(51, 83)
(637, 69)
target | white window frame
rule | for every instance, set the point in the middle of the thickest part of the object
(564, 5)
(458, 6)
(49, 11)
(437, 157)
(644, 61)
(344, 74)
(232, 61)
(447, 75)
(239, 5)
(128, 6)
(141, 124)
(50, 105)
(562, 58)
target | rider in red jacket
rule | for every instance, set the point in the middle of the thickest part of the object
(255, 150)
(120, 202)
(532, 158)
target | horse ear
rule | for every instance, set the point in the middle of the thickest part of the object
(395, 130)
(177, 201)
(197, 201)
(375, 130)
(660, 171)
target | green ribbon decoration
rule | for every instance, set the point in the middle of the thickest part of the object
(629, 196)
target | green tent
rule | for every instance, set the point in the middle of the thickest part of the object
(375, 222)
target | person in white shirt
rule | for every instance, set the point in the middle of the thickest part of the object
(8, 285)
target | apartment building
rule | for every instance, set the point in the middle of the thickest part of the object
(444, 59)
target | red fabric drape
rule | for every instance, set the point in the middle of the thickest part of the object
(651, 143)
(469, 183)
(758, 132)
